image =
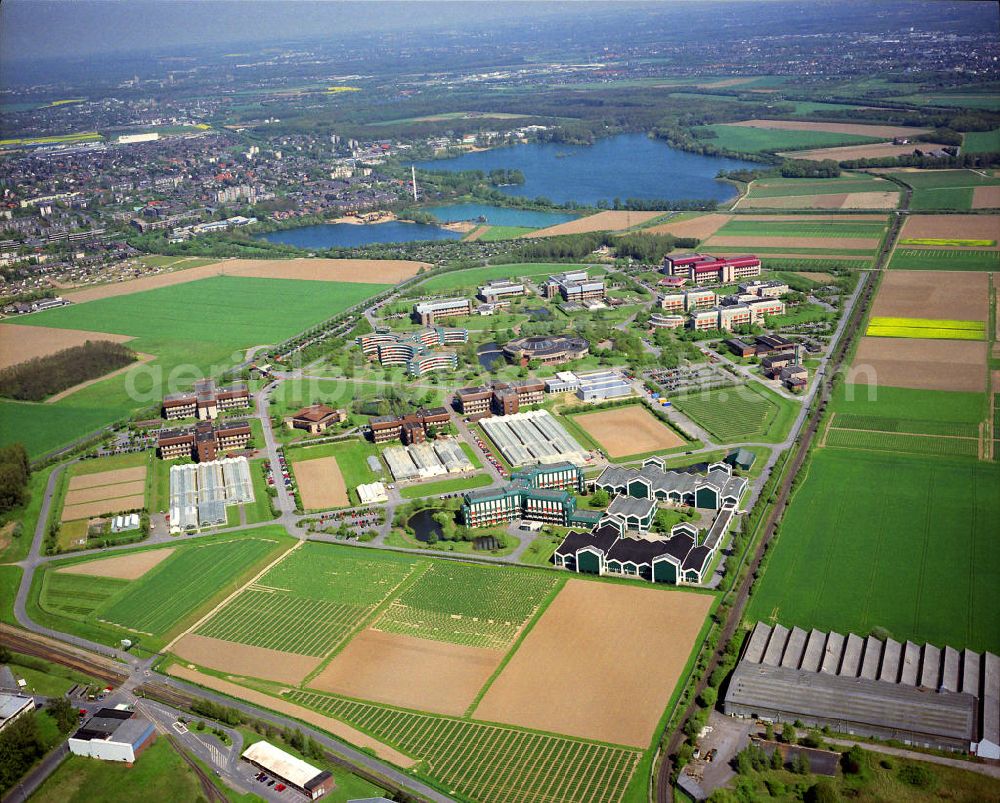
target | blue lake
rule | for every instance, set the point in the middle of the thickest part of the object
(624, 166)
(353, 235)
(498, 215)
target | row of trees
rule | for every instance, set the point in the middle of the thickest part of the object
(39, 377)
(15, 470)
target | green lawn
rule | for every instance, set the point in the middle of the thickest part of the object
(896, 541)
(496, 233)
(10, 581)
(743, 413)
(223, 315)
(160, 775)
(445, 486)
(848, 182)
(45, 678)
(907, 258)
(981, 141)
(17, 548)
(758, 140)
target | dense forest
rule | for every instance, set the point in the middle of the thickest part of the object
(15, 469)
(37, 378)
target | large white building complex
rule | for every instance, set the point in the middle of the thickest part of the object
(200, 493)
(533, 437)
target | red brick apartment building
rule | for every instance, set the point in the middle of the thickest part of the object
(204, 441)
(410, 428)
(500, 398)
(206, 401)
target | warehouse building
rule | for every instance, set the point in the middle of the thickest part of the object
(288, 769)
(533, 437)
(372, 493)
(703, 268)
(608, 549)
(715, 488)
(316, 418)
(422, 461)
(574, 285)
(412, 428)
(204, 441)
(924, 696)
(200, 493)
(562, 382)
(541, 493)
(206, 401)
(112, 734)
(430, 312)
(499, 398)
(598, 386)
(493, 291)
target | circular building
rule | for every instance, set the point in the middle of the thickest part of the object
(547, 350)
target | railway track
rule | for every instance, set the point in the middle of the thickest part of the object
(30, 644)
(664, 788)
(212, 792)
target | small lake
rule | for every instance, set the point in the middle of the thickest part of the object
(354, 235)
(623, 166)
(540, 314)
(489, 354)
(498, 215)
(422, 523)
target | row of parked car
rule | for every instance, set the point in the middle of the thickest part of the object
(262, 777)
(489, 455)
(286, 475)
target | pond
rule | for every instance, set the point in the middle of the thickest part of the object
(422, 523)
(540, 314)
(498, 215)
(354, 235)
(489, 354)
(623, 166)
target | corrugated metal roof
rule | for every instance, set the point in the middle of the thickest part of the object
(776, 646)
(890, 661)
(794, 648)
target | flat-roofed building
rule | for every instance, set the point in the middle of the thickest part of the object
(574, 285)
(13, 707)
(204, 441)
(288, 769)
(540, 493)
(501, 288)
(704, 268)
(673, 302)
(206, 401)
(658, 321)
(112, 734)
(429, 312)
(771, 289)
(699, 299)
(914, 694)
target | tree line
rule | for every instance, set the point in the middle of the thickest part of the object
(15, 470)
(39, 377)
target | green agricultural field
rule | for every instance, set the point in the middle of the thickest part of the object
(310, 601)
(159, 601)
(445, 486)
(741, 413)
(957, 99)
(902, 542)
(737, 227)
(213, 337)
(490, 763)
(482, 606)
(474, 277)
(759, 140)
(497, 233)
(821, 264)
(944, 259)
(929, 328)
(944, 179)
(981, 141)
(905, 404)
(784, 187)
(77, 596)
(946, 198)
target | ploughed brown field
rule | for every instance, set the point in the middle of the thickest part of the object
(242, 659)
(329, 724)
(115, 477)
(844, 200)
(628, 430)
(409, 672)
(126, 567)
(986, 198)
(602, 221)
(105, 492)
(920, 363)
(19, 343)
(860, 129)
(98, 492)
(877, 150)
(367, 271)
(952, 227)
(321, 484)
(117, 504)
(702, 227)
(601, 663)
(947, 295)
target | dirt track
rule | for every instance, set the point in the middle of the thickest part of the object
(321, 484)
(126, 567)
(875, 131)
(367, 271)
(920, 364)
(600, 664)
(952, 227)
(628, 430)
(409, 672)
(241, 659)
(19, 343)
(949, 295)
(602, 221)
(329, 724)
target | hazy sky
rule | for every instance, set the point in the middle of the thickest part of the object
(46, 28)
